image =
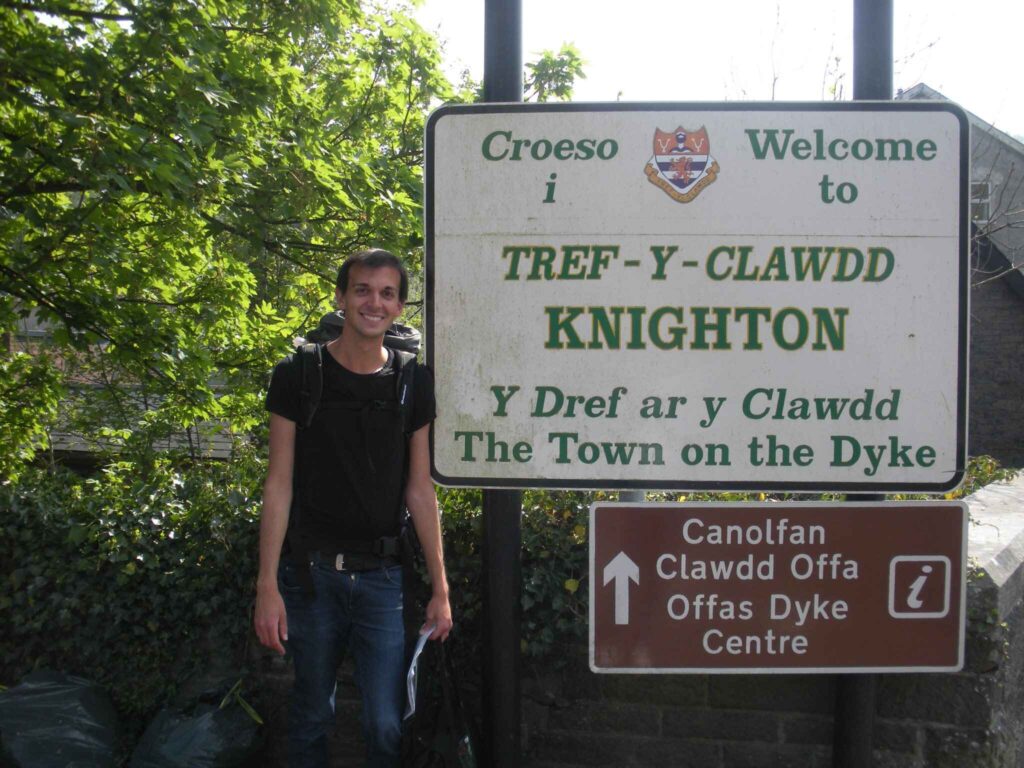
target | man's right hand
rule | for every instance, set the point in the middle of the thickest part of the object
(271, 621)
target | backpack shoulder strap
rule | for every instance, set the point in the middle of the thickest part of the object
(311, 365)
(405, 366)
(311, 386)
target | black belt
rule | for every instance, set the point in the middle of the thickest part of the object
(385, 546)
(352, 561)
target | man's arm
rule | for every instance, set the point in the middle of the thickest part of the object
(421, 500)
(271, 622)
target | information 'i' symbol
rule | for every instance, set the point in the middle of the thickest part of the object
(914, 598)
(920, 586)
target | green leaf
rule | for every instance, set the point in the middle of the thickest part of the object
(179, 63)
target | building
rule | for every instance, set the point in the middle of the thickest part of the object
(996, 407)
(76, 443)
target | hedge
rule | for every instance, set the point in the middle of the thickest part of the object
(138, 576)
(131, 578)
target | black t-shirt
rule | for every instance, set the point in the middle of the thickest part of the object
(350, 462)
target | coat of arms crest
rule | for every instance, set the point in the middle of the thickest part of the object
(682, 164)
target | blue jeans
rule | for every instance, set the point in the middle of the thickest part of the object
(359, 612)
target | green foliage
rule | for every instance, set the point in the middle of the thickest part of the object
(134, 579)
(29, 394)
(553, 75)
(178, 181)
(554, 566)
(462, 528)
(555, 570)
(981, 470)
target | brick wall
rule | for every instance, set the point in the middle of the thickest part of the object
(686, 720)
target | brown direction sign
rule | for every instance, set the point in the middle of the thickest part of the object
(782, 587)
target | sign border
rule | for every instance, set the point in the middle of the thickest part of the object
(462, 481)
(961, 639)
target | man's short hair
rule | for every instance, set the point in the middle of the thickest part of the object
(374, 258)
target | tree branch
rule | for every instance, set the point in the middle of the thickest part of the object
(42, 188)
(271, 245)
(998, 275)
(63, 10)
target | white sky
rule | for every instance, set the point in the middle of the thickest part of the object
(639, 50)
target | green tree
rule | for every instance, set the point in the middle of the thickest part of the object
(553, 75)
(177, 181)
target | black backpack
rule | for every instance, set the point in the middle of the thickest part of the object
(403, 340)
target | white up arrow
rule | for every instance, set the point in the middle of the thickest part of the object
(623, 570)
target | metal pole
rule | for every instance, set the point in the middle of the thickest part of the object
(872, 80)
(503, 51)
(502, 530)
(872, 50)
(854, 721)
(502, 585)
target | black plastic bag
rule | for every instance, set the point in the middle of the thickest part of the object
(216, 732)
(438, 734)
(51, 720)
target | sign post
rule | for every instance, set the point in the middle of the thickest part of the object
(854, 717)
(787, 587)
(501, 541)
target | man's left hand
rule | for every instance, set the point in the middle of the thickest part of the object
(439, 616)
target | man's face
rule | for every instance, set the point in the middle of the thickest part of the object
(370, 301)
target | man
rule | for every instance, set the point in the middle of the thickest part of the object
(333, 500)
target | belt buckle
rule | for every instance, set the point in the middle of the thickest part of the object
(339, 562)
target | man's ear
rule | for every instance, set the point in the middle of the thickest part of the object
(339, 299)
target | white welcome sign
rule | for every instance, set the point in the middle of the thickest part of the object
(760, 296)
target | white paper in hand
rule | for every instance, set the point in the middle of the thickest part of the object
(410, 678)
